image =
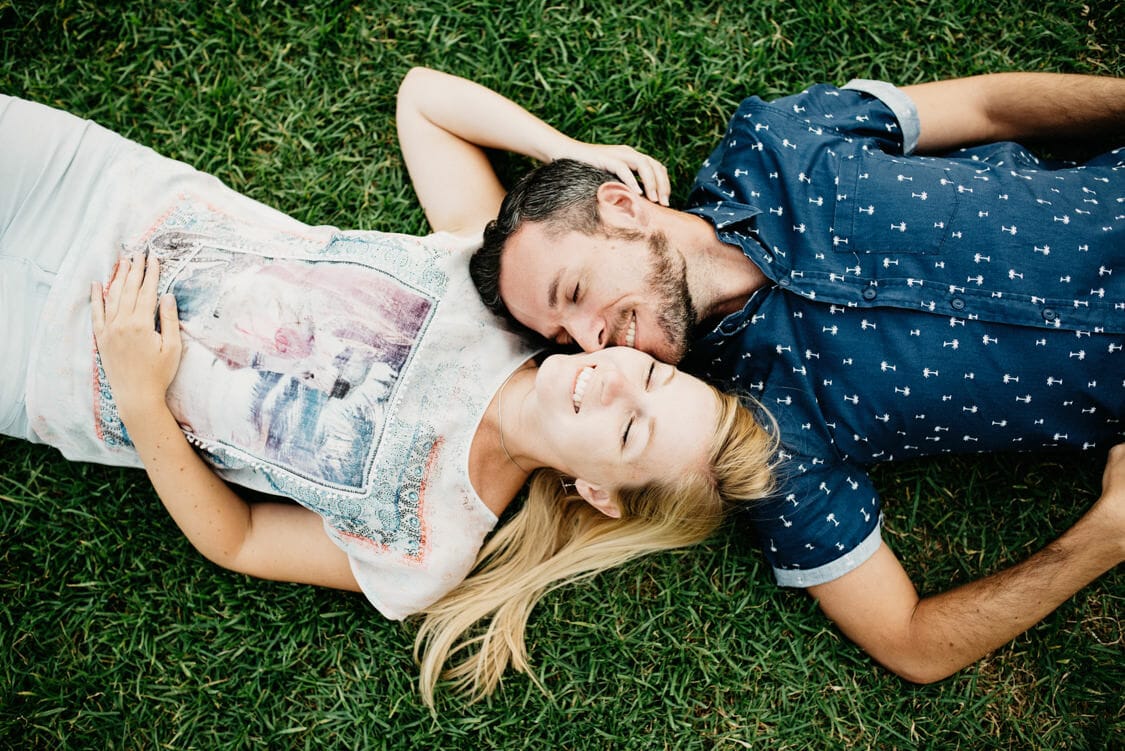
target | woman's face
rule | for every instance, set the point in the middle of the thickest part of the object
(618, 418)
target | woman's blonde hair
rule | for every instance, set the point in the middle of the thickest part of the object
(557, 538)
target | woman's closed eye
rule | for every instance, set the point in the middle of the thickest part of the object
(633, 418)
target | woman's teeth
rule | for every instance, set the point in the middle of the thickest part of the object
(631, 333)
(580, 384)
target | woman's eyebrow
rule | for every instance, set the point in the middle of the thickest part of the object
(651, 435)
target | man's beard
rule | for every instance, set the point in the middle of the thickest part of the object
(668, 281)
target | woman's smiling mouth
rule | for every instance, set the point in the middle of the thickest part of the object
(580, 384)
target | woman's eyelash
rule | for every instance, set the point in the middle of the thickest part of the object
(648, 379)
(625, 438)
(574, 296)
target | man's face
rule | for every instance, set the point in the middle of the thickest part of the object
(623, 289)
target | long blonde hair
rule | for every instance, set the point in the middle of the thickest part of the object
(557, 538)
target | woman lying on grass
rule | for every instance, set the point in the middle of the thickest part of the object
(354, 372)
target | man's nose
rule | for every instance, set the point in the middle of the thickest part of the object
(589, 331)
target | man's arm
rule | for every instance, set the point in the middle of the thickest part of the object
(444, 125)
(1018, 107)
(925, 640)
(269, 540)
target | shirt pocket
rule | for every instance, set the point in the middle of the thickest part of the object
(892, 205)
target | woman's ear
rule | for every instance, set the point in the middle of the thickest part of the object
(599, 498)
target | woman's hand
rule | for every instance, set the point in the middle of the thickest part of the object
(623, 161)
(139, 361)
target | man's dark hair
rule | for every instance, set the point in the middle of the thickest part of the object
(563, 195)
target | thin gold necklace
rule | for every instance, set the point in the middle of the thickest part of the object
(500, 419)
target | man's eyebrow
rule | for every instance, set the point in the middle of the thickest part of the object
(553, 292)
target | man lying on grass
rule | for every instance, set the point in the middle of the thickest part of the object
(883, 305)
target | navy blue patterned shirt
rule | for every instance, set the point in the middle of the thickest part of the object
(915, 305)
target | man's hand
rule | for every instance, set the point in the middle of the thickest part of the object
(1110, 508)
(140, 362)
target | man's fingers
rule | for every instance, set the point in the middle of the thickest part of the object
(1114, 464)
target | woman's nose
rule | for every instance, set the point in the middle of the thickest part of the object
(613, 384)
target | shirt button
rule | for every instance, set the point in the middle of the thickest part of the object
(957, 303)
(784, 282)
(1049, 314)
(870, 293)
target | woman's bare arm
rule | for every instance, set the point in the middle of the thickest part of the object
(269, 540)
(444, 125)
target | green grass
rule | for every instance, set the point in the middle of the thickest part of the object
(114, 633)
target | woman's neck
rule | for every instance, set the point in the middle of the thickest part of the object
(498, 465)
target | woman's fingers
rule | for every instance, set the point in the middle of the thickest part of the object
(132, 288)
(146, 296)
(97, 308)
(139, 361)
(662, 182)
(170, 327)
(653, 174)
(112, 303)
(130, 293)
(623, 168)
(627, 164)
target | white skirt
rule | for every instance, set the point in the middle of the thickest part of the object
(39, 152)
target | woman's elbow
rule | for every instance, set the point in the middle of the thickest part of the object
(412, 84)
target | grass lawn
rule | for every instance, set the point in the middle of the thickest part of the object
(116, 634)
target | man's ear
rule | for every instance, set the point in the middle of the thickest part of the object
(621, 207)
(599, 498)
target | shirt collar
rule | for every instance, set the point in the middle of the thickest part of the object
(727, 216)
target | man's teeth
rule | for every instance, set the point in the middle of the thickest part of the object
(580, 384)
(631, 333)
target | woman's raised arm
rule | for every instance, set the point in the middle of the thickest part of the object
(269, 540)
(446, 122)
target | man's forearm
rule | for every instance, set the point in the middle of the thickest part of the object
(1019, 107)
(1042, 106)
(956, 628)
(925, 640)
